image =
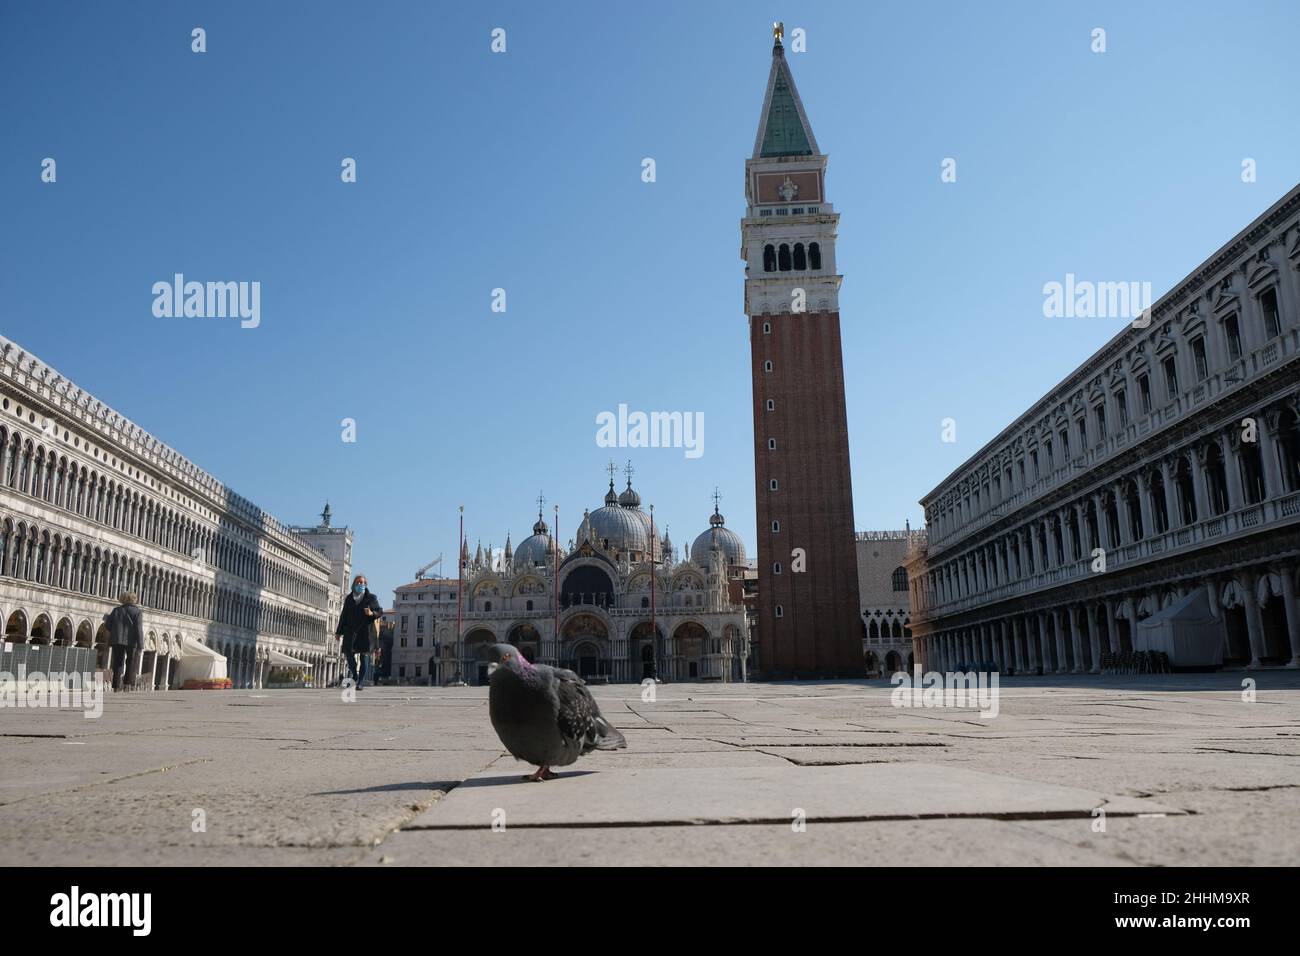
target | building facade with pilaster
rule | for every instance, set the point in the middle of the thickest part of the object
(92, 505)
(1163, 472)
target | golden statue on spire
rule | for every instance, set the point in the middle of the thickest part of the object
(778, 31)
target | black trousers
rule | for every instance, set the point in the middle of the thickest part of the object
(121, 664)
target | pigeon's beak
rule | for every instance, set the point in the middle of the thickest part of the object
(492, 668)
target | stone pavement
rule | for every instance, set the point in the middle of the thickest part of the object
(1185, 770)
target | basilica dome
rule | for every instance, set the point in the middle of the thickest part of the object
(631, 502)
(534, 551)
(733, 549)
(620, 528)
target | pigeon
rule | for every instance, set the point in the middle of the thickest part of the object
(544, 715)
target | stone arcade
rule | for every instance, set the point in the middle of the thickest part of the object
(92, 505)
(1173, 452)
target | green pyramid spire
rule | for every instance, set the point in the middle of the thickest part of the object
(784, 133)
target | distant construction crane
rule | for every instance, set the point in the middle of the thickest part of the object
(436, 562)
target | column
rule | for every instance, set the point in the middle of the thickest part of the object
(1254, 620)
(1042, 641)
(1292, 623)
(1067, 539)
(1232, 469)
(1076, 640)
(1062, 666)
(1094, 641)
(1268, 451)
(1172, 509)
(1103, 529)
(1121, 512)
(1017, 659)
(1145, 495)
(1199, 484)
(1079, 510)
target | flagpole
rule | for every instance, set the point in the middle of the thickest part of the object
(555, 547)
(460, 577)
(654, 630)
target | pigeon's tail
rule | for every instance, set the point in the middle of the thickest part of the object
(607, 737)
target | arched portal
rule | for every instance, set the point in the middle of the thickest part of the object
(690, 643)
(644, 649)
(477, 650)
(584, 645)
(525, 637)
(16, 628)
(587, 584)
(41, 630)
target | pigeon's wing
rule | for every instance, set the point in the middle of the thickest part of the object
(579, 717)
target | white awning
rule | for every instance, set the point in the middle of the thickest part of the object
(198, 649)
(284, 660)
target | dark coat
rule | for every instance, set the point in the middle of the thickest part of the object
(126, 626)
(354, 627)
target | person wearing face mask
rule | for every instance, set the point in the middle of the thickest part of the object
(361, 610)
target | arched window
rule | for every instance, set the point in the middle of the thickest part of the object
(776, 527)
(767, 328)
(771, 444)
(772, 485)
(529, 606)
(487, 605)
(814, 256)
(776, 568)
(769, 258)
(783, 258)
(780, 611)
(767, 366)
(900, 579)
(771, 405)
(800, 261)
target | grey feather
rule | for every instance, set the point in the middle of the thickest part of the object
(545, 715)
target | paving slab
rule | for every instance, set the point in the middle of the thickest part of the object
(971, 842)
(587, 797)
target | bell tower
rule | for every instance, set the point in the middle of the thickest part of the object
(807, 560)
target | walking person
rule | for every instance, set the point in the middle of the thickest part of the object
(361, 611)
(126, 638)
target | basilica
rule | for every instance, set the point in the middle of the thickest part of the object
(616, 604)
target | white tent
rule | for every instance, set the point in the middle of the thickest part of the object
(1186, 630)
(280, 659)
(200, 662)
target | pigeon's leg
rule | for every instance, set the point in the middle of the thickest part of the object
(542, 773)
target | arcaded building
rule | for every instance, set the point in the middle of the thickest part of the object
(589, 606)
(807, 601)
(92, 505)
(1161, 477)
(884, 599)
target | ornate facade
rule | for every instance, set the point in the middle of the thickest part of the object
(1167, 464)
(92, 505)
(587, 607)
(883, 593)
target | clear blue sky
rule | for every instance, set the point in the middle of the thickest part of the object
(522, 171)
